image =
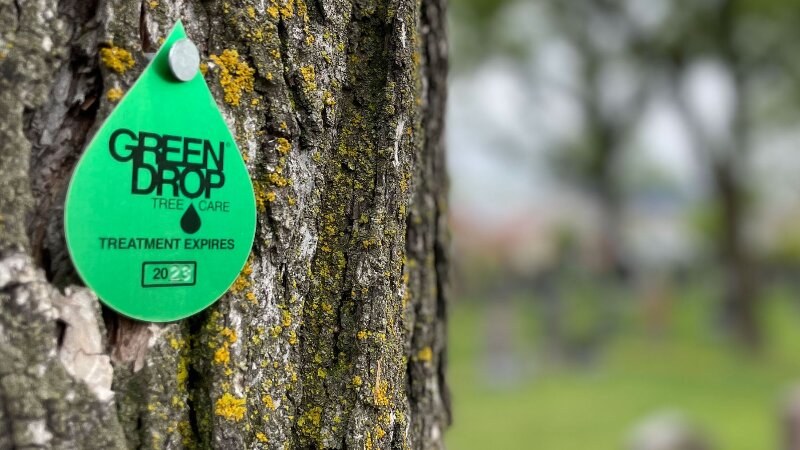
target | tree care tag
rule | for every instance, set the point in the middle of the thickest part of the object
(160, 214)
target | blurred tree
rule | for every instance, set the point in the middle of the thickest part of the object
(606, 43)
(744, 42)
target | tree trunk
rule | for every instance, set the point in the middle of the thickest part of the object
(334, 334)
(740, 283)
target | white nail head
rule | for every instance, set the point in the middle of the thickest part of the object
(184, 59)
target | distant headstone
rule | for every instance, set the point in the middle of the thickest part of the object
(668, 430)
(790, 420)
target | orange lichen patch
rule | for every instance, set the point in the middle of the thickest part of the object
(117, 59)
(230, 407)
(114, 94)
(235, 77)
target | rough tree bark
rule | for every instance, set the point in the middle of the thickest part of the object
(333, 336)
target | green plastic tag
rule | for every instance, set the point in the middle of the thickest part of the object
(160, 213)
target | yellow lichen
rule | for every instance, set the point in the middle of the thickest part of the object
(114, 94)
(272, 10)
(357, 380)
(261, 437)
(242, 282)
(236, 76)
(185, 430)
(153, 4)
(328, 99)
(277, 179)
(425, 355)
(313, 416)
(117, 59)
(379, 393)
(204, 68)
(251, 12)
(183, 371)
(287, 9)
(175, 343)
(261, 196)
(230, 334)
(230, 407)
(361, 335)
(309, 76)
(268, 402)
(283, 145)
(222, 355)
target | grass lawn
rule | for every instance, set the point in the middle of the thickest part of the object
(735, 398)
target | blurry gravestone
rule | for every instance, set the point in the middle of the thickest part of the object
(667, 431)
(790, 420)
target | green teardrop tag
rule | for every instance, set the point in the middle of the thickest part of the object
(160, 213)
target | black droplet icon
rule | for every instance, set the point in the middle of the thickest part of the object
(190, 221)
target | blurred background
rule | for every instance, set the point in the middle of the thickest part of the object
(625, 211)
